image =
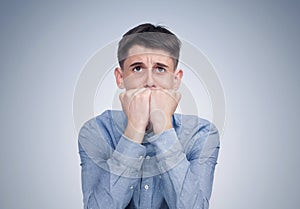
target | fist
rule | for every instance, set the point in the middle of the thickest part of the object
(163, 104)
(136, 105)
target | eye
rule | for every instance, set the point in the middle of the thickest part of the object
(137, 69)
(160, 70)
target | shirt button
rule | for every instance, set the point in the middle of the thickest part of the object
(146, 187)
(131, 187)
(141, 157)
(147, 157)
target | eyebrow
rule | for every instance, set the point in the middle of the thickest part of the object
(161, 65)
(135, 64)
(141, 63)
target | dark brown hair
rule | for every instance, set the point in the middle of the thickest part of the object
(149, 36)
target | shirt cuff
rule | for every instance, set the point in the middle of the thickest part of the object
(127, 159)
(169, 150)
(165, 141)
(129, 148)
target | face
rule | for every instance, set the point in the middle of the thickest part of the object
(148, 68)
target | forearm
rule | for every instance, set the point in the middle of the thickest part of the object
(187, 182)
(104, 195)
(110, 191)
(109, 179)
(184, 189)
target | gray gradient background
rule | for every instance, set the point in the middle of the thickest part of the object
(254, 46)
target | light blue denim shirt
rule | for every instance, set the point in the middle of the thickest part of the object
(174, 169)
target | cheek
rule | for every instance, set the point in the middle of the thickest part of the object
(133, 82)
(165, 82)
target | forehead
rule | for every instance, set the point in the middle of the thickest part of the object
(140, 52)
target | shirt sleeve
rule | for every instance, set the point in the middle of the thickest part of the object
(109, 177)
(187, 178)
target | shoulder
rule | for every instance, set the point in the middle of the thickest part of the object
(107, 125)
(95, 138)
(104, 119)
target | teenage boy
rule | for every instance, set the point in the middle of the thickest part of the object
(146, 156)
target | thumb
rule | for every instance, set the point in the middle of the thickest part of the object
(121, 96)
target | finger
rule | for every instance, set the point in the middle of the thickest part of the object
(140, 90)
(143, 91)
(147, 91)
(169, 92)
(176, 95)
(133, 92)
(121, 96)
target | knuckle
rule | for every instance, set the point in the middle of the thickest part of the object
(121, 96)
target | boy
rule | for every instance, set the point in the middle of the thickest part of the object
(146, 156)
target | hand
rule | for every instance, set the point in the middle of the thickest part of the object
(135, 104)
(163, 104)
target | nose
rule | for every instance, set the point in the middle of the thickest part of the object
(150, 83)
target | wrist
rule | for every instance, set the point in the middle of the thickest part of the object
(158, 128)
(134, 134)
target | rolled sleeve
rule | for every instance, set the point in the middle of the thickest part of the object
(130, 148)
(168, 150)
(127, 158)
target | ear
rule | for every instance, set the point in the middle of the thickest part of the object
(119, 77)
(177, 78)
